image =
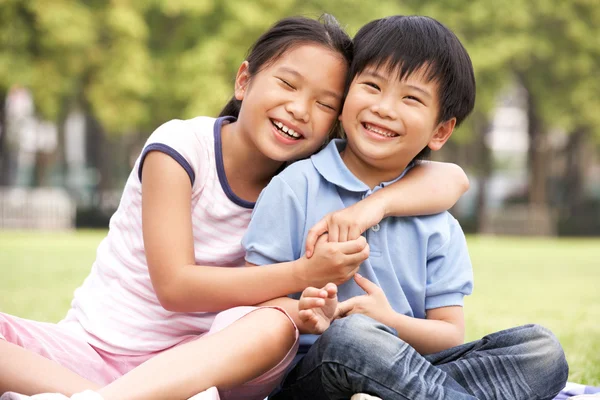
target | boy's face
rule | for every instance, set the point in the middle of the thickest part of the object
(388, 121)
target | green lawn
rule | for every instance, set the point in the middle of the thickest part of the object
(517, 281)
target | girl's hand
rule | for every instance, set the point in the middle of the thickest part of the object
(332, 262)
(317, 308)
(346, 224)
(373, 304)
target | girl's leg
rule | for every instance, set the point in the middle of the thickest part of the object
(38, 357)
(29, 373)
(240, 352)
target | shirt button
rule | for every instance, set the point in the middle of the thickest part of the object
(375, 228)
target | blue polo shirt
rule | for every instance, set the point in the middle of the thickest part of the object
(419, 262)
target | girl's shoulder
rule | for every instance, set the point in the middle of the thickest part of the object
(184, 130)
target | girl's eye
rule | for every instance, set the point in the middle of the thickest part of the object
(286, 83)
(329, 106)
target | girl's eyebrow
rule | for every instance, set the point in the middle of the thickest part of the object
(300, 76)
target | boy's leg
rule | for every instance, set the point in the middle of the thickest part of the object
(525, 362)
(37, 357)
(240, 352)
(359, 355)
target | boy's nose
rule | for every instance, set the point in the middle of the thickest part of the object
(385, 109)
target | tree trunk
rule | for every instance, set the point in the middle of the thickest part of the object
(573, 181)
(4, 151)
(484, 168)
(537, 155)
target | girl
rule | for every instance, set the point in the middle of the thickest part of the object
(146, 323)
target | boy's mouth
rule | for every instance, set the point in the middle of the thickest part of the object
(379, 130)
(286, 131)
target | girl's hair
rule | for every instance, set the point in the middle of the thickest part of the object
(287, 34)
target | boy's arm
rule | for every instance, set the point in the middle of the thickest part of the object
(449, 279)
(428, 188)
(444, 327)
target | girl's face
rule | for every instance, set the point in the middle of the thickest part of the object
(290, 105)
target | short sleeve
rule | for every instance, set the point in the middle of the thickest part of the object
(177, 139)
(277, 226)
(449, 270)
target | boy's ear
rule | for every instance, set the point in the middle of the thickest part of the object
(442, 133)
(242, 79)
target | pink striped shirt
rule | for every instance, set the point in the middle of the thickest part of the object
(116, 308)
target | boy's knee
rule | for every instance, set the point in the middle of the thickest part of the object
(548, 366)
(356, 339)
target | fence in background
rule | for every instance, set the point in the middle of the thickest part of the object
(40, 208)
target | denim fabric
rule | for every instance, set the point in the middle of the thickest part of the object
(359, 355)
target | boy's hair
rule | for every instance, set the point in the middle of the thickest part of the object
(287, 34)
(404, 44)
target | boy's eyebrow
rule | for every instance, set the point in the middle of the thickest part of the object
(420, 90)
(299, 75)
(376, 74)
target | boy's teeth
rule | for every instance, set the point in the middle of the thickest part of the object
(380, 131)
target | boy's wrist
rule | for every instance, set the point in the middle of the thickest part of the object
(380, 202)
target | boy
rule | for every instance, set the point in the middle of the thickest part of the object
(411, 83)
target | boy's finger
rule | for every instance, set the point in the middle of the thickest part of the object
(315, 292)
(313, 234)
(334, 234)
(331, 289)
(345, 307)
(365, 284)
(305, 315)
(343, 235)
(306, 303)
(354, 232)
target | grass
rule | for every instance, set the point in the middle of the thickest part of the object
(553, 282)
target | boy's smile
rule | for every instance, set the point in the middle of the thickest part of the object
(388, 121)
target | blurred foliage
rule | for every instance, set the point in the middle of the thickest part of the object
(136, 64)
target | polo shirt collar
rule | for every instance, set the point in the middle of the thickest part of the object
(328, 162)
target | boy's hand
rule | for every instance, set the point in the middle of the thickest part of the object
(346, 224)
(373, 304)
(332, 262)
(317, 307)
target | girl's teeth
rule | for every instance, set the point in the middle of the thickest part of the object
(287, 130)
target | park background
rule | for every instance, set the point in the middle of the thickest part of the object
(84, 82)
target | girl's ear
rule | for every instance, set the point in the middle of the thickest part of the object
(442, 134)
(241, 80)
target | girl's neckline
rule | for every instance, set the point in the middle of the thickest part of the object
(221, 167)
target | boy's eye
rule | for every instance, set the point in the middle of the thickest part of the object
(413, 98)
(286, 83)
(372, 84)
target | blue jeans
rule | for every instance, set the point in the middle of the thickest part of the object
(359, 355)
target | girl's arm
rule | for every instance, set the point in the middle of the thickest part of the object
(428, 188)
(182, 286)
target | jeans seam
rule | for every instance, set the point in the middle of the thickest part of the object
(367, 377)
